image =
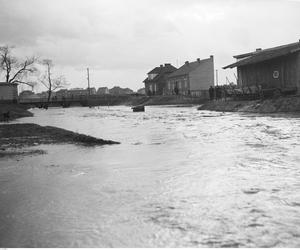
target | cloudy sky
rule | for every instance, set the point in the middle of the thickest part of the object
(121, 40)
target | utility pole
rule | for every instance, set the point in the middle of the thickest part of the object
(217, 77)
(88, 78)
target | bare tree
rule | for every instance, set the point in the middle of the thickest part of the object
(16, 70)
(50, 82)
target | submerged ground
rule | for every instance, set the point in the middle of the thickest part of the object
(180, 177)
(15, 137)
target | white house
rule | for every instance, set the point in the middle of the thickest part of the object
(193, 78)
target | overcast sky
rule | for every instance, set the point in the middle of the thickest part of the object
(121, 40)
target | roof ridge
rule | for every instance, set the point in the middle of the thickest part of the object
(266, 54)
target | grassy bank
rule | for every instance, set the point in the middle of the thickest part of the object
(15, 137)
(281, 104)
(15, 111)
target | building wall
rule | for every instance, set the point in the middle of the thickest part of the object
(202, 77)
(8, 92)
(180, 82)
(298, 72)
(156, 88)
(278, 73)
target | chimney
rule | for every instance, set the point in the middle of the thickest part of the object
(167, 64)
(211, 56)
(198, 60)
(186, 63)
(258, 49)
(161, 65)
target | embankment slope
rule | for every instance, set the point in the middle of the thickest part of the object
(281, 104)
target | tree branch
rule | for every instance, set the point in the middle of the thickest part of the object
(27, 63)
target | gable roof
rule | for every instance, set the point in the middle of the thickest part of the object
(161, 72)
(264, 55)
(188, 67)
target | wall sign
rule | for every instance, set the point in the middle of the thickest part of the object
(275, 74)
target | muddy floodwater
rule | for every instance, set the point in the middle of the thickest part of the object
(179, 178)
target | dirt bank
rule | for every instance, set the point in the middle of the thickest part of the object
(15, 137)
(167, 100)
(15, 111)
(281, 104)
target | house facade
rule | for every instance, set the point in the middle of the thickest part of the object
(192, 78)
(8, 92)
(273, 68)
(156, 81)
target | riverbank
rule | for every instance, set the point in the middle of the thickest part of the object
(15, 111)
(276, 105)
(170, 100)
(132, 100)
(15, 138)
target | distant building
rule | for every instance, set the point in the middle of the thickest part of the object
(141, 91)
(157, 79)
(92, 91)
(77, 92)
(120, 91)
(102, 91)
(61, 93)
(28, 95)
(43, 94)
(277, 67)
(8, 92)
(192, 78)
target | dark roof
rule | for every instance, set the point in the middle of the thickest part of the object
(264, 55)
(188, 67)
(161, 72)
(244, 55)
(168, 67)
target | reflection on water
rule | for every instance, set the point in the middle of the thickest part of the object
(180, 177)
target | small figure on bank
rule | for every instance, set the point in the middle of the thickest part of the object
(211, 93)
(6, 116)
(176, 90)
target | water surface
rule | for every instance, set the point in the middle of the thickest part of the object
(179, 178)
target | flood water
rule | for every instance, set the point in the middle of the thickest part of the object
(179, 178)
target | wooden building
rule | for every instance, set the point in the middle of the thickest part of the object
(8, 92)
(273, 68)
(192, 78)
(157, 79)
